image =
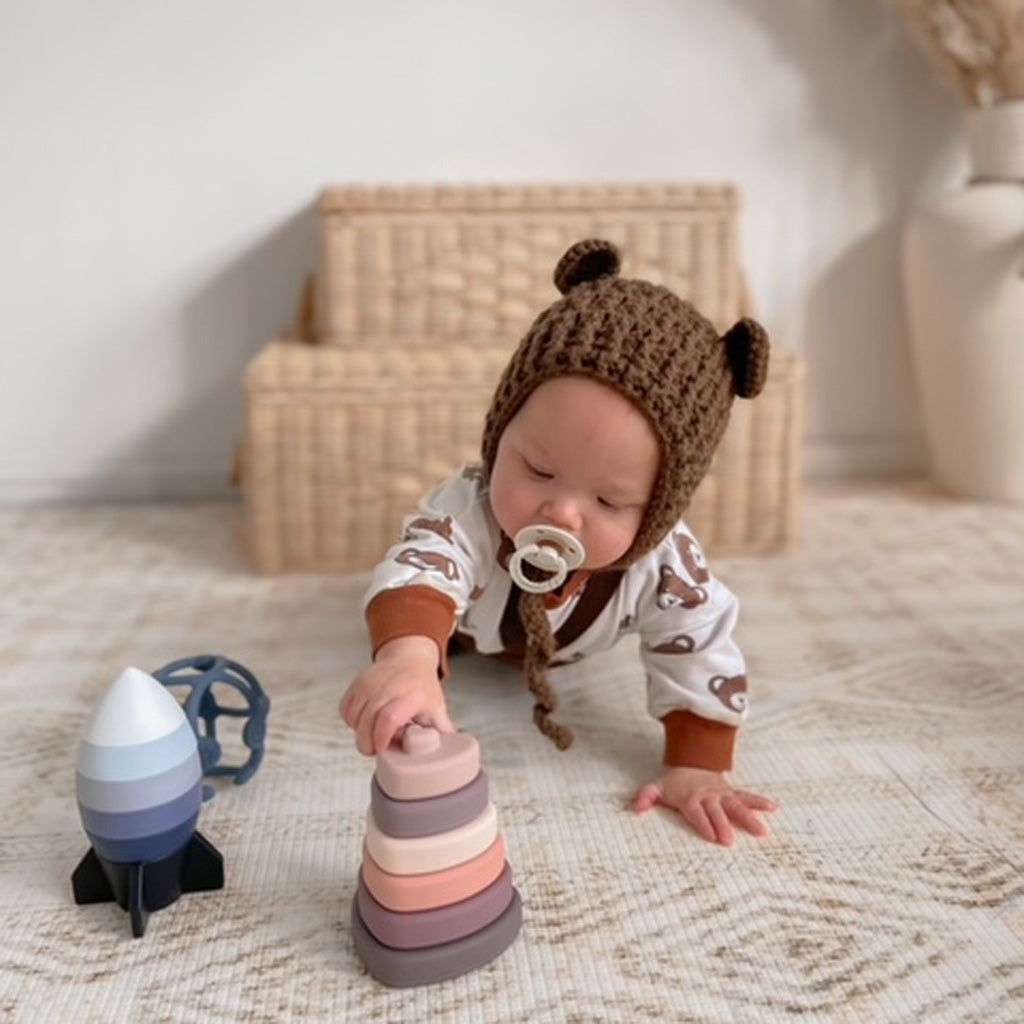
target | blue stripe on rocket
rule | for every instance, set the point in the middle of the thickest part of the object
(137, 794)
(138, 760)
(145, 835)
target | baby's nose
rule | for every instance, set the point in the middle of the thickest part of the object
(564, 513)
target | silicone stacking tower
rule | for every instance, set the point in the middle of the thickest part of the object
(435, 896)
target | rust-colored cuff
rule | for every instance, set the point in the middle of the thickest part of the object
(695, 742)
(412, 611)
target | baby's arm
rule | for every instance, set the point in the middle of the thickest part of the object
(417, 593)
(697, 688)
(409, 628)
(400, 686)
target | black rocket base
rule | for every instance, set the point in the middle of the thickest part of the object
(141, 888)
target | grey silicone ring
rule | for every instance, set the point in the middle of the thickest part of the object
(409, 819)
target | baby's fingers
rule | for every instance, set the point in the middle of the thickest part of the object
(390, 719)
(646, 797)
(367, 722)
(439, 720)
(755, 801)
(695, 814)
(351, 707)
(743, 817)
(719, 817)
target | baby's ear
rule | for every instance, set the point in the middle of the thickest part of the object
(746, 344)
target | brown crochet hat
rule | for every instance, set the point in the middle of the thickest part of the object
(654, 348)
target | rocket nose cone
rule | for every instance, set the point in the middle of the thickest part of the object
(136, 709)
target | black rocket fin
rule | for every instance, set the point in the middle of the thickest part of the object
(203, 867)
(141, 888)
(137, 909)
(89, 883)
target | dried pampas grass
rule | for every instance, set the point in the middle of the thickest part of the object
(977, 45)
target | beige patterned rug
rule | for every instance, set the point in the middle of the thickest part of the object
(887, 660)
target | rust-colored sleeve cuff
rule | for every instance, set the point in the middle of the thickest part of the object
(412, 611)
(695, 742)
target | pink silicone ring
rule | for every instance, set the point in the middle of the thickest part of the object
(427, 763)
(436, 888)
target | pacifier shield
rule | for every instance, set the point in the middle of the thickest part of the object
(543, 558)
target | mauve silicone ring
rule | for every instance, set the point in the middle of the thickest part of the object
(409, 819)
(406, 968)
(442, 924)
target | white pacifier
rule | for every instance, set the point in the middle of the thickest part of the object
(548, 549)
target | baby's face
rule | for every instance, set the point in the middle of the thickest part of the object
(579, 456)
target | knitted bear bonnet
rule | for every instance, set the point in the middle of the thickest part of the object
(658, 351)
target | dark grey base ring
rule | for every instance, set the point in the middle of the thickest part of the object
(407, 968)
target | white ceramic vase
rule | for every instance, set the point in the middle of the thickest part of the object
(963, 268)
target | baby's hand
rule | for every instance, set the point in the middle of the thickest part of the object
(707, 802)
(400, 686)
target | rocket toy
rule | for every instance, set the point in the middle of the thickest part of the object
(139, 787)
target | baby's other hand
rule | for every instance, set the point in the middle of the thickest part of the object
(400, 686)
(708, 802)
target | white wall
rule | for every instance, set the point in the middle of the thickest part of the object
(160, 162)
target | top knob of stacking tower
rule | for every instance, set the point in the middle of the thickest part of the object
(419, 740)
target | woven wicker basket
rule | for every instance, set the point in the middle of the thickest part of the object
(429, 264)
(420, 298)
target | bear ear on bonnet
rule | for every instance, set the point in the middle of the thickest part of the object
(586, 261)
(746, 344)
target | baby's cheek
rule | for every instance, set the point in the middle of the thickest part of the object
(611, 542)
(506, 505)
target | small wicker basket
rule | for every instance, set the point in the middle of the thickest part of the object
(420, 298)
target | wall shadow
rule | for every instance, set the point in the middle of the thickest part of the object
(855, 338)
(239, 310)
(189, 453)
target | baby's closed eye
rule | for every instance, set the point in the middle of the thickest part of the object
(536, 471)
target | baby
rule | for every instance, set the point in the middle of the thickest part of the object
(570, 535)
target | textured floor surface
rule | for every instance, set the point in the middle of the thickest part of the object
(887, 664)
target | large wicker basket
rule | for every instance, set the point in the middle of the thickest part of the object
(421, 295)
